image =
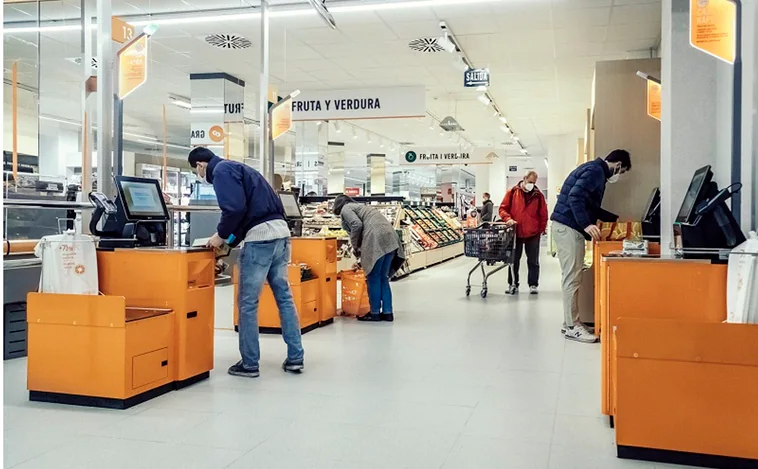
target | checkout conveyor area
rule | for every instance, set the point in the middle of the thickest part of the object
(678, 382)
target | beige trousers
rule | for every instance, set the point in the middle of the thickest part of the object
(570, 245)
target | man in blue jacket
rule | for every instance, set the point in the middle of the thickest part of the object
(575, 218)
(252, 212)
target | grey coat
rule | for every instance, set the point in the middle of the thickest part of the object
(371, 235)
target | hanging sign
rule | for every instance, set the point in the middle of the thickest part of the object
(352, 191)
(426, 156)
(713, 27)
(380, 103)
(207, 134)
(475, 77)
(281, 120)
(654, 99)
(132, 66)
(121, 31)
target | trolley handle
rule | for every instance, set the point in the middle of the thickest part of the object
(492, 223)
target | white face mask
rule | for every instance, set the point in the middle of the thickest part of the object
(614, 179)
(528, 186)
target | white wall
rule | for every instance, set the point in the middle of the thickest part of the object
(561, 157)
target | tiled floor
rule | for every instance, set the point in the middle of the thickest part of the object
(456, 382)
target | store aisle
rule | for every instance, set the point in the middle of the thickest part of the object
(454, 383)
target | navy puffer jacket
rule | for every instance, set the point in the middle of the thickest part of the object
(581, 196)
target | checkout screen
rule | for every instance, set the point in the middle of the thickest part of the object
(143, 199)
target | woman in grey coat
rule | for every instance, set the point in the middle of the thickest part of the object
(376, 243)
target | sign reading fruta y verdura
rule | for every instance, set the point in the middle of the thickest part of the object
(376, 103)
(421, 156)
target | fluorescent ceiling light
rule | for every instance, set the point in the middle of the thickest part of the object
(181, 102)
(503, 120)
(203, 17)
(524, 151)
(484, 99)
(505, 129)
(516, 138)
(481, 89)
(207, 111)
(444, 42)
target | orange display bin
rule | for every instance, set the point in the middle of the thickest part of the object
(686, 392)
(93, 350)
(654, 288)
(306, 302)
(181, 279)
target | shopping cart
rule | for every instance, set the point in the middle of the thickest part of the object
(490, 243)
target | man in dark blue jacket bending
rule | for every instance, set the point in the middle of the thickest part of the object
(575, 218)
(251, 211)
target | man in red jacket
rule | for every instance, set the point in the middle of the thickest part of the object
(524, 205)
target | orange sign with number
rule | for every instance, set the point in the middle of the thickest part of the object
(132, 67)
(654, 99)
(713, 27)
(121, 31)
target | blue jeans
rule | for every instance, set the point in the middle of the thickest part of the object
(261, 261)
(378, 282)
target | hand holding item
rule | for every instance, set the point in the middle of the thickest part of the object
(167, 198)
(510, 222)
(215, 241)
(593, 231)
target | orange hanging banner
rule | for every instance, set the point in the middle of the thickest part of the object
(281, 120)
(654, 99)
(713, 27)
(132, 66)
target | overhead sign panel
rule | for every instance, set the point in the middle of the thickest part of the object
(121, 31)
(207, 133)
(713, 27)
(379, 103)
(451, 125)
(132, 66)
(475, 77)
(654, 99)
(281, 121)
(432, 156)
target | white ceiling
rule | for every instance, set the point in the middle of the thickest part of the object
(541, 54)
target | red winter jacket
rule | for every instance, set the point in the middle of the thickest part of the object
(529, 210)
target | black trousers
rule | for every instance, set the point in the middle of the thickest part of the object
(532, 247)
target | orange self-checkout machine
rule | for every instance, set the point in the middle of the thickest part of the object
(151, 329)
(316, 295)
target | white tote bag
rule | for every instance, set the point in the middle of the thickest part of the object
(742, 282)
(69, 264)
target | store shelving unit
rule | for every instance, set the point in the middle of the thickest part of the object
(436, 237)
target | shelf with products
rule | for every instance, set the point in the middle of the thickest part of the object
(431, 228)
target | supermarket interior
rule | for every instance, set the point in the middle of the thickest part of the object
(479, 233)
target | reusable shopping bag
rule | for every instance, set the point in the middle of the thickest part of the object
(69, 264)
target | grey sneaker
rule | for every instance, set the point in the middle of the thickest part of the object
(580, 334)
(293, 367)
(534, 290)
(239, 370)
(512, 290)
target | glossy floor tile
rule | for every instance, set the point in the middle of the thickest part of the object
(455, 382)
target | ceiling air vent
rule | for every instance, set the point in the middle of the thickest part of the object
(425, 44)
(228, 41)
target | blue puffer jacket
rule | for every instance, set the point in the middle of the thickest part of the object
(581, 196)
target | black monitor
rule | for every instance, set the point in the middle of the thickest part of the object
(653, 207)
(291, 206)
(142, 199)
(696, 194)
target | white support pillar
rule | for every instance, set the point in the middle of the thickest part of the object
(263, 144)
(105, 92)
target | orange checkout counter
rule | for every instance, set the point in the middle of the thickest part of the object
(151, 330)
(315, 299)
(677, 381)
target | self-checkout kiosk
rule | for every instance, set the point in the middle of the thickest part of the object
(312, 276)
(704, 220)
(149, 332)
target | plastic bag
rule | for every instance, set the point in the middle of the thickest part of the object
(69, 264)
(742, 282)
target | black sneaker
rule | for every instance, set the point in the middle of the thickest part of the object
(388, 317)
(370, 317)
(293, 367)
(512, 290)
(239, 370)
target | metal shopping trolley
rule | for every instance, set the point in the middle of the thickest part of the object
(490, 243)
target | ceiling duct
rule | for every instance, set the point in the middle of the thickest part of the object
(228, 41)
(425, 44)
(320, 6)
